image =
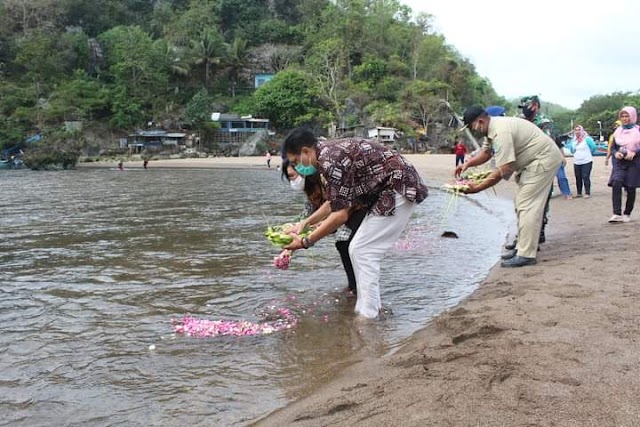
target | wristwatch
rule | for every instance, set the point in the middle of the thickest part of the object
(307, 243)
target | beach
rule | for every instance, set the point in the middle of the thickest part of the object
(555, 344)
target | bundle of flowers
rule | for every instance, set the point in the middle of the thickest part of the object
(283, 260)
(279, 236)
(476, 176)
(459, 187)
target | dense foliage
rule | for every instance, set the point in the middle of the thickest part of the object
(337, 62)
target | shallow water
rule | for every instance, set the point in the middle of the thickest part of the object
(96, 263)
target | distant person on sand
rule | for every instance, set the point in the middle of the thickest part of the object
(460, 150)
(625, 167)
(522, 148)
(583, 148)
(120, 166)
(145, 163)
(267, 156)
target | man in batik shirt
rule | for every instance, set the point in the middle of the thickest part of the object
(359, 173)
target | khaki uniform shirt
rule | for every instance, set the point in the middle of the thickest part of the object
(518, 141)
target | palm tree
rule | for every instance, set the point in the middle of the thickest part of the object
(208, 50)
(237, 61)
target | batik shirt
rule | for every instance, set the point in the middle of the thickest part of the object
(365, 173)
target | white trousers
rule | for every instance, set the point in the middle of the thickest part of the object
(376, 235)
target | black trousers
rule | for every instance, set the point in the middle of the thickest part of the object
(583, 176)
(343, 248)
(616, 198)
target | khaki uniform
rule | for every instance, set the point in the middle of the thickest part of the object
(536, 159)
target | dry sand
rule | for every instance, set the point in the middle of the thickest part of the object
(555, 344)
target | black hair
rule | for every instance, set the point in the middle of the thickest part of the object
(297, 139)
(314, 190)
(284, 169)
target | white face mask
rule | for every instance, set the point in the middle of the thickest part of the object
(298, 183)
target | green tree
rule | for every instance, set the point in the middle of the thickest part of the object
(327, 63)
(200, 16)
(383, 113)
(127, 113)
(38, 57)
(208, 50)
(422, 99)
(28, 15)
(198, 110)
(135, 63)
(237, 62)
(82, 98)
(289, 100)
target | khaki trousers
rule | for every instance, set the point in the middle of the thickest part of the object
(534, 185)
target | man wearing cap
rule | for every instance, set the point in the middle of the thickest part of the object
(519, 147)
(530, 106)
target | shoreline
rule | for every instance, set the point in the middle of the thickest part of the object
(552, 344)
(195, 163)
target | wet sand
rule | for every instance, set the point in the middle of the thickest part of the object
(555, 344)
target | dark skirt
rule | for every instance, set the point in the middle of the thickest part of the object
(625, 171)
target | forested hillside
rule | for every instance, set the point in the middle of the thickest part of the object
(118, 64)
(123, 63)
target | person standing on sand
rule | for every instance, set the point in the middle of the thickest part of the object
(625, 167)
(522, 148)
(358, 172)
(583, 148)
(267, 157)
(460, 150)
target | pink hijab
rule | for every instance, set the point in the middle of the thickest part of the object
(628, 138)
(579, 134)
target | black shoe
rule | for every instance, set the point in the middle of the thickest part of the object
(509, 254)
(518, 261)
(511, 246)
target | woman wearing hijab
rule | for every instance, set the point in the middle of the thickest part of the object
(625, 171)
(582, 147)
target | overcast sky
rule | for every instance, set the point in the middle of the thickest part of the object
(564, 51)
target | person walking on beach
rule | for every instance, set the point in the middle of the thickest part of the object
(625, 166)
(267, 157)
(358, 172)
(583, 148)
(522, 148)
(460, 149)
